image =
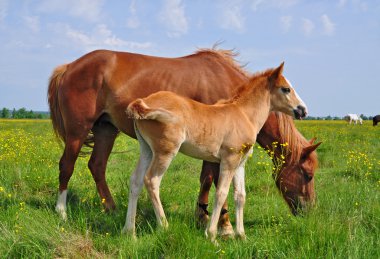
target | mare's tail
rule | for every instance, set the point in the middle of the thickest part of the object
(139, 110)
(55, 112)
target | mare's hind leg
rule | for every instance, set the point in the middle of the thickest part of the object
(73, 145)
(210, 173)
(104, 137)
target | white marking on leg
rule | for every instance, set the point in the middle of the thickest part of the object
(239, 197)
(136, 184)
(61, 204)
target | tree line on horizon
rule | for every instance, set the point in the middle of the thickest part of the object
(22, 113)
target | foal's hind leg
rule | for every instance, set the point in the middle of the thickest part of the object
(136, 184)
(104, 138)
(152, 180)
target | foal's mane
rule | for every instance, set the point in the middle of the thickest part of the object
(289, 134)
(247, 85)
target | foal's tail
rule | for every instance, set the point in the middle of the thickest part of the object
(139, 110)
(55, 112)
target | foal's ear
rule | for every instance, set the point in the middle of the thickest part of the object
(276, 73)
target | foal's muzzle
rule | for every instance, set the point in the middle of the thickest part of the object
(300, 112)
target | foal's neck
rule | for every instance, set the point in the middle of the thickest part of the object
(254, 101)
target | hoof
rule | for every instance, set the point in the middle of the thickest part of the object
(225, 228)
(129, 232)
(202, 218)
(212, 237)
(241, 236)
(61, 212)
(226, 231)
(109, 207)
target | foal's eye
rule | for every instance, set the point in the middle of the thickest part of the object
(285, 90)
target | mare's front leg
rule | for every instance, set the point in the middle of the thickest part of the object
(239, 197)
(104, 138)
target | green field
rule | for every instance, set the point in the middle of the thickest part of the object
(345, 222)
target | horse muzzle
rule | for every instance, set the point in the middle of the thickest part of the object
(300, 112)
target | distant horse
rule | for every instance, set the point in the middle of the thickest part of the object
(376, 119)
(353, 118)
(166, 123)
(88, 97)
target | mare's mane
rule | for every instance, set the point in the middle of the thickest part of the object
(226, 55)
(289, 134)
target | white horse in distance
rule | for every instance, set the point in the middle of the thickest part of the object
(353, 118)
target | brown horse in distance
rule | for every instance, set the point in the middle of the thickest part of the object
(91, 94)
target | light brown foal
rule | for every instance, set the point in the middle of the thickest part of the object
(166, 123)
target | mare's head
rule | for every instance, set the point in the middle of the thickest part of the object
(298, 161)
(283, 96)
(296, 180)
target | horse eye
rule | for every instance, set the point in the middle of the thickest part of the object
(285, 90)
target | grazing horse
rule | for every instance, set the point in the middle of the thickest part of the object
(87, 99)
(353, 118)
(375, 120)
(166, 123)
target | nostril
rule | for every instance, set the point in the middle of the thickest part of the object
(302, 109)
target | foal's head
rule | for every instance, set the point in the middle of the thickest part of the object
(283, 96)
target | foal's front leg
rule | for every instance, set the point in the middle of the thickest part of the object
(224, 182)
(239, 197)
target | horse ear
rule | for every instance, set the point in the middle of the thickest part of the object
(276, 73)
(307, 150)
(311, 141)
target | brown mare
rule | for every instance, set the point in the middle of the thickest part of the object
(91, 94)
(225, 132)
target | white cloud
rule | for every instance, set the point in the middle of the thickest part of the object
(342, 3)
(256, 4)
(32, 22)
(307, 26)
(173, 17)
(232, 18)
(286, 23)
(133, 21)
(102, 37)
(89, 10)
(3, 9)
(328, 25)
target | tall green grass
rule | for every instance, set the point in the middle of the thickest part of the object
(344, 224)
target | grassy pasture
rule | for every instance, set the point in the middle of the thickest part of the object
(344, 224)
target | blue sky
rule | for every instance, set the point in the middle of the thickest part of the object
(331, 48)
